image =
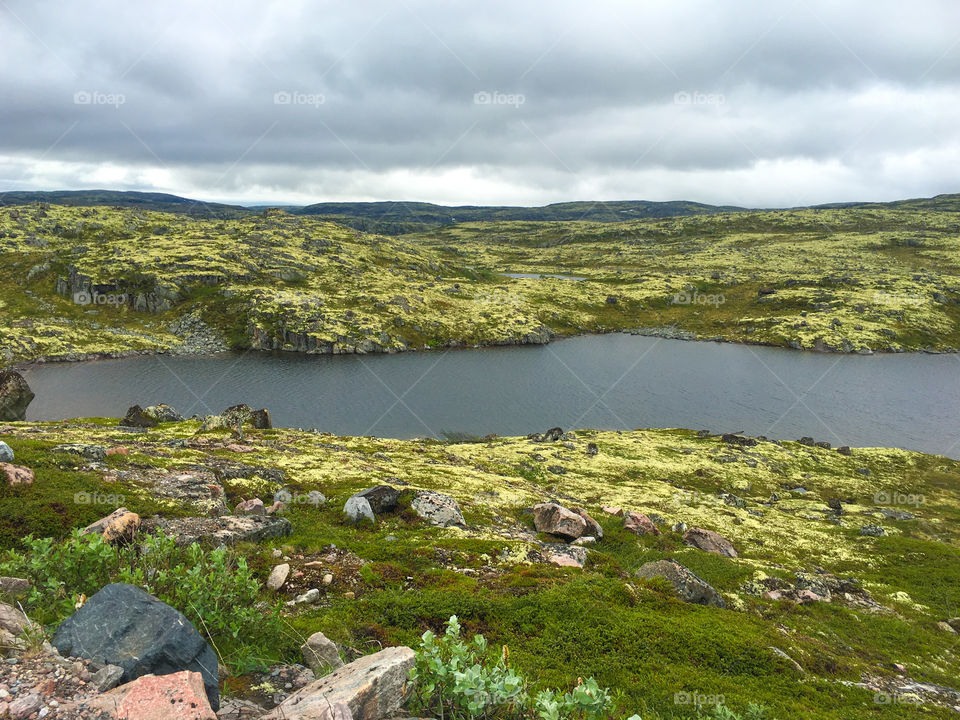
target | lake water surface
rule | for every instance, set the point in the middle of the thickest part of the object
(602, 381)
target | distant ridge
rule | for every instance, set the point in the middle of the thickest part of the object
(161, 202)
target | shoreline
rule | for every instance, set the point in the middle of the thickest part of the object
(663, 333)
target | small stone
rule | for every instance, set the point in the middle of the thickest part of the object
(278, 576)
(611, 510)
(639, 524)
(107, 678)
(327, 579)
(250, 507)
(310, 596)
(945, 627)
(350, 595)
(320, 653)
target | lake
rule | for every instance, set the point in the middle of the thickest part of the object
(614, 381)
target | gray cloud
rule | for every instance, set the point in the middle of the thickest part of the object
(760, 103)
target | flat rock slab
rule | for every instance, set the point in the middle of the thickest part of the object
(564, 555)
(225, 530)
(709, 541)
(177, 696)
(124, 626)
(373, 687)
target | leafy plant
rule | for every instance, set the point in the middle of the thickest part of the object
(214, 589)
(460, 681)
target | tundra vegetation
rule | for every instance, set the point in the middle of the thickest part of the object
(88, 281)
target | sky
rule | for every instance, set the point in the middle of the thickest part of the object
(754, 103)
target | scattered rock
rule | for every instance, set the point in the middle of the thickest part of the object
(946, 627)
(309, 597)
(13, 621)
(135, 417)
(639, 524)
(174, 696)
(690, 587)
(437, 509)
(615, 511)
(90, 452)
(15, 396)
(6, 453)
(13, 585)
(358, 508)
(844, 450)
(225, 530)
(382, 498)
(24, 706)
(372, 688)
(739, 440)
(16, 474)
(552, 435)
(557, 520)
(321, 653)
(873, 531)
(593, 527)
(250, 507)
(592, 449)
(278, 576)
(119, 527)
(709, 541)
(122, 625)
(107, 677)
(163, 413)
(564, 555)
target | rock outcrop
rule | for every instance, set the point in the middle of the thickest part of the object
(709, 541)
(690, 587)
(15, 396)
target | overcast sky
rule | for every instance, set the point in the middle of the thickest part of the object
(762, 103)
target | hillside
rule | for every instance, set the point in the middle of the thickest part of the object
(79, 282)
(158, 202)
(846, 566)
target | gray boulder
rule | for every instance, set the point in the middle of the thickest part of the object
(6, 453)
(382, 498)
(320, 652)
(690, 587)
(124, 626)
(709, 541)
(358, 508)
(90, 452)
(437, 508)
(15, 396)
(136, 417)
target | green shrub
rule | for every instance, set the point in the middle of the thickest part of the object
(214, 589)
(458, 680)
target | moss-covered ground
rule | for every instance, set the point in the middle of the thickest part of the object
(563, 623)
(883, 278)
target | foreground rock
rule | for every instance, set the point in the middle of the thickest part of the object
(690, 587)
(557, 520)
(177, 696)
(124, 626)
(358, 508)
(225, 530)
(6, 453)
(15, 396)
(437, 509)
(135, 417)
(709, 541)
(373, 687)
(321, 653)
(381, 498)
(16, 474)
(278, 576)
(120, 526)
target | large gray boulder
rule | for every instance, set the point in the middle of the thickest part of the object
(690, 587)
(373, 687)
(124, 626)
(382, 498)
(557, 520)
(6, 453)
(358, 508)
(437, 508)
(15, 395)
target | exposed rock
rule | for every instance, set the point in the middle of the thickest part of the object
(690, 587)
(844, 450)
(15, 396)
(122, 625)
(24, 706)
(225, 530)
(592, 449)
(174, 696)
(437, 509)
(135, 417)
(358, 508)
(552, 435)
(107, 677)
(873, 531)
(278, 576)
(250, 507)
(373, 688)
(310, 596)
(739, 440)
(162, 413)
(237, 709)
(235, 417)
(16, 474)
(90, 452)
(679, 527)
(558, 520)
(13, 620)
(564, 555)
(615, 511)
(13, 585)
(946, 627)
(382, 498)
(6, 453)
(120, 526)
(709, 541)
(320, 653)
(639, 524)
(593, 527)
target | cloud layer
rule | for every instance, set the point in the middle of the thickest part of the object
(757, 103)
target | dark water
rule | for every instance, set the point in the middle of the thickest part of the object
(609, 381)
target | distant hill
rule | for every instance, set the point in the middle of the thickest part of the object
(938, 203)
(160, 202)
(402, 217)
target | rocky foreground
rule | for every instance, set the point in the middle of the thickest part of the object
(669, 564)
